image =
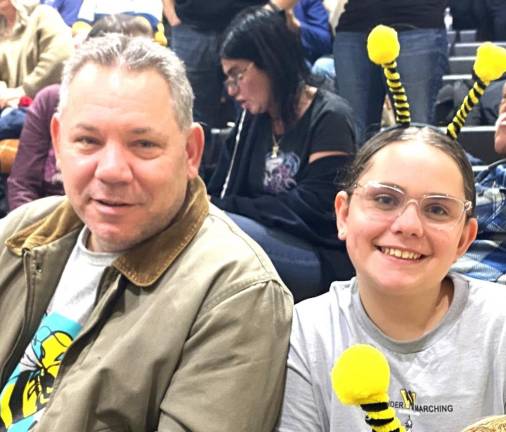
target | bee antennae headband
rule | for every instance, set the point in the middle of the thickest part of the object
(383, 49)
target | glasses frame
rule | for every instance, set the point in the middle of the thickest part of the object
(233, 82)
(466, 204)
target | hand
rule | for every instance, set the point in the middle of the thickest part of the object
(79, 37)
(170, 13)
(291, 21)
(10, 96)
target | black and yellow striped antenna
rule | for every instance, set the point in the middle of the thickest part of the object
(383, 48)
(490, 64)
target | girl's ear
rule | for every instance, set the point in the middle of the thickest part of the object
(467, 237)
(341, 204)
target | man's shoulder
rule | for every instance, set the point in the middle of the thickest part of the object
(26, 215)
(233, 243)
(229, 259)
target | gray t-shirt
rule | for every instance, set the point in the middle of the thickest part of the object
(454, 375)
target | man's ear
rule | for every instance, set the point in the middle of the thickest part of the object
(194, 149)
(468, 235)
(55, 134)
(341, 204)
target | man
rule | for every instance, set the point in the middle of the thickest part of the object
(486, 258)
(134, 304)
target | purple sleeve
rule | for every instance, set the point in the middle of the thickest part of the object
(26, 181)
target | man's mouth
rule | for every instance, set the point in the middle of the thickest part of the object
(111, 203)
(400, 253)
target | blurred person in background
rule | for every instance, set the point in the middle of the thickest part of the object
(148, 11)
(68, 9)
(422, 61)
(196, 34)
(34, 42)
(275, 176)
(486, 258)
(491, 19)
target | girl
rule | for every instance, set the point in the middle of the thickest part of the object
(406, 214)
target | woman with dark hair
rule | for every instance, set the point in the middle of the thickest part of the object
(406, 213)
(276, 174)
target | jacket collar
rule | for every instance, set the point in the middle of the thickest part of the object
(145, 262)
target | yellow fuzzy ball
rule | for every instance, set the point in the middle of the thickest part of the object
(382, 45)
(490, 62)
(361, 375)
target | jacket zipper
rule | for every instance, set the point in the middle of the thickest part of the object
(23, 338)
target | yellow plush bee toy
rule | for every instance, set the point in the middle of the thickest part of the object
(361, 376)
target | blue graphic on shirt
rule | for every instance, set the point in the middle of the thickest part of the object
(26, 393)
(280, 172)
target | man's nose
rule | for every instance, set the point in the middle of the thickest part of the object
(114, 162)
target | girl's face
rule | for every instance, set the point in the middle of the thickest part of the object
(248, 85)
(500, 135)
(404, 254)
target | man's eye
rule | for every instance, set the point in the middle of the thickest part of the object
(146, 144)
(86, 140)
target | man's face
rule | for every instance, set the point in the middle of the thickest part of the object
(500, 134)
(125, 161)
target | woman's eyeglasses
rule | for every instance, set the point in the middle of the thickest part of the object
(387, 203)
(232, 82)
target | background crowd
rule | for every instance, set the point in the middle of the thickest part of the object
(302, 154)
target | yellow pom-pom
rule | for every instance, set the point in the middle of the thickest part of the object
(361, 376)
(490, 62)
(382, 45)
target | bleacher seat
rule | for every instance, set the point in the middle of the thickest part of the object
(461, 64)
(450, 79)
(466, 36)
(469, 48)
(461, 36)
(479, 141)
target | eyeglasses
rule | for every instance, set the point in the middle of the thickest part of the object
(387, 203)
(232, 82)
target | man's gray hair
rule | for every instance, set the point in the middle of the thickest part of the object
(133, 54)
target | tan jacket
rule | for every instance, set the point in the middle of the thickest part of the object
(189, 333)
(33, 55)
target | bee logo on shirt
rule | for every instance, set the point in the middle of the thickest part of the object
(30, 386)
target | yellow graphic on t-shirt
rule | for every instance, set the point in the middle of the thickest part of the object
(31, 384)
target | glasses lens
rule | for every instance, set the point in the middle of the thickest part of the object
(230, 84)
(382, 198)
(386, 202)
(442, 209)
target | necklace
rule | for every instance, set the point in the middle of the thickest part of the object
(275, 145)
